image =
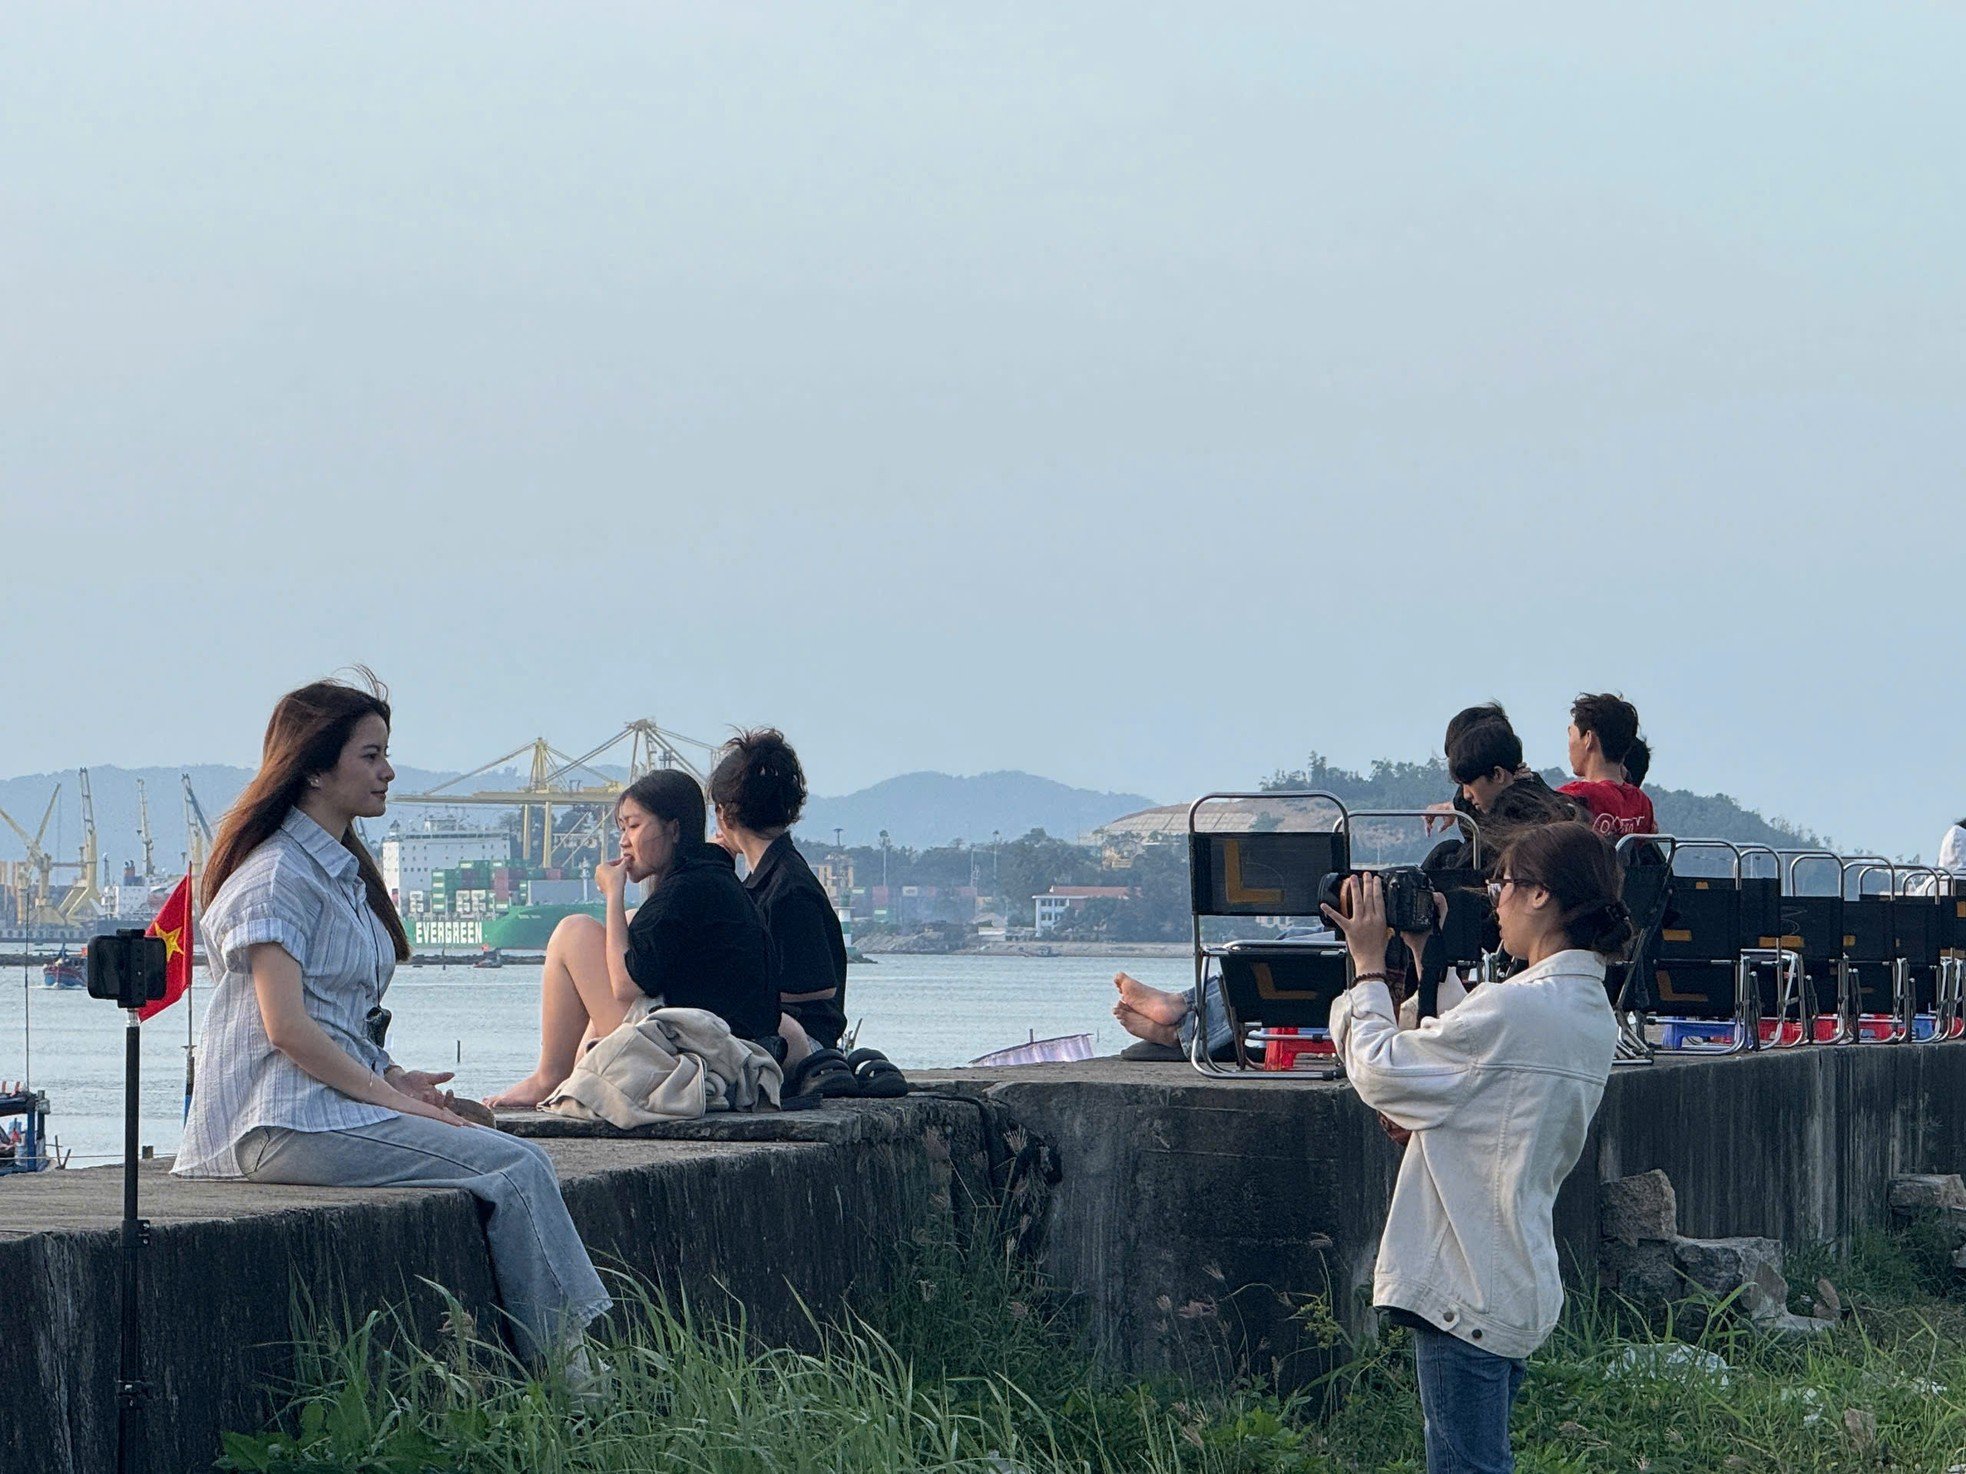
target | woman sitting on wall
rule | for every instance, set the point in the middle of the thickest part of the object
(695, 942)
(295, 1085)
(759, 791)
(1497, 1093)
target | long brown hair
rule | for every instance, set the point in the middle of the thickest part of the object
(308, 730)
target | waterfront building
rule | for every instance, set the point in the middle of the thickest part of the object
(1050, 908)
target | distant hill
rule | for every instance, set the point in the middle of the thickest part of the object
(917, 809)
(924, 809)
(114, 791)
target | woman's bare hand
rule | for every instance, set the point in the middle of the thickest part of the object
(1363, 925)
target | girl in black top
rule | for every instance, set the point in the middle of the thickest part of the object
(697, 941)
(759, 791)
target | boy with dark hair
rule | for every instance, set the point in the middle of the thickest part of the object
(1484, 758)
(1603, 730)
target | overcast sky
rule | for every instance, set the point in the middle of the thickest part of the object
(1143, 396)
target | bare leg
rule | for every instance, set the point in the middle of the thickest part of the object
(798, 1044)
(576, 1002)
(1141, 1027)
(1155, 1003)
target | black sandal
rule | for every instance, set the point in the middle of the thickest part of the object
(824, 1073)
(876, 1075)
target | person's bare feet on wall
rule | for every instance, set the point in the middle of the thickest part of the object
(1140, 1026)
(1156, 1004)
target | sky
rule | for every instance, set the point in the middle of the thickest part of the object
(1144, 396)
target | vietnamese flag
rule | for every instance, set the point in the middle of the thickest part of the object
(173, 924)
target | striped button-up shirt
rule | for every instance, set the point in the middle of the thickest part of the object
(301, 890)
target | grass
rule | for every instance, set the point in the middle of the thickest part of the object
(970, 1368)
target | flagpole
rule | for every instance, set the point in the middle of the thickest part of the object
(190, 981)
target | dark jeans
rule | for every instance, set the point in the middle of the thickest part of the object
(1466, 1394)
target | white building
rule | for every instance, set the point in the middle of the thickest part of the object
(410, 856)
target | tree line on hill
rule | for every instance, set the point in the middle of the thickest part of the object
(1007, 874)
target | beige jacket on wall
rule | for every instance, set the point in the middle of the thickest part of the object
(1498, 1092)
(667, 1064)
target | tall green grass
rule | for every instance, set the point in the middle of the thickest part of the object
(972, 1368)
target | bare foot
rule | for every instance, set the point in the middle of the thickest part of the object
(1140, 1026)
(524, 1096)
(1162, 1007)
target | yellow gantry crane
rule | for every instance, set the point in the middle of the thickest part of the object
(83, 903)
(572, 788)
(31, 899)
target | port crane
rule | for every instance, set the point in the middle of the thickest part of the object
(574, 788)
(143, 832)
(83, 903)
(197, 832)
(31, 897)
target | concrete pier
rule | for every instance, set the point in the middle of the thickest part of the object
(1193, 1216)
(1192, 1219)
(813, 1204)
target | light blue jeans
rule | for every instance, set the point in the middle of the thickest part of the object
(1465, 1394)
(1221, 1037)
(545, 1279)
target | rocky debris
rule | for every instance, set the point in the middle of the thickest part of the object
(1634, 1209)
(1928, 1192)
(1934, 1195)
(1644, 1257)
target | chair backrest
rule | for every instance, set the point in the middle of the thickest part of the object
(1284, 985)
(1694, 972)
(1260, 867)
(1952, 914)
(1263, 874)
(1813, 926)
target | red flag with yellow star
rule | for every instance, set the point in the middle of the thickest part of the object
(173, 924)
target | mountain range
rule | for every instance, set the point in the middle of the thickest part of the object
(916, 809)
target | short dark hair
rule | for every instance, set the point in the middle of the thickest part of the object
(758, 781)
(1580, 870)
(1638, 761)
(670, 793)
(1478, 750)
(1613, 719)
(1468, 716)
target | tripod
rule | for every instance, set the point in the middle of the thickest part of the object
(132, 1391)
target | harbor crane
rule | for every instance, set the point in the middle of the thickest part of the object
(83, 903)
(573, 788)
(143, 833)
(197, 833)
(32, 898)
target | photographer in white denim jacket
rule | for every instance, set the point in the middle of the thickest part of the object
(1498, 1093)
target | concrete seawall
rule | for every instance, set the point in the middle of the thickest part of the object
(814, 1203)
(1191, 1220)
(1193, 1216)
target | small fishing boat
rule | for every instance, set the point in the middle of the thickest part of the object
(24, 1148)
(63, 972)
(1036, 1051)
(490, 957)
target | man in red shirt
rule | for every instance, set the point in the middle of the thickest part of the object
(1603, 729)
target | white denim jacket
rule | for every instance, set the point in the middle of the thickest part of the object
(1498, 1092)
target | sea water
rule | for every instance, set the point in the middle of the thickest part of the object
(923, 1012)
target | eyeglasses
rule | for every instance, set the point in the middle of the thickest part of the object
(1496, 887)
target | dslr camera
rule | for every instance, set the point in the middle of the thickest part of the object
(1409, 896)
(127, 968)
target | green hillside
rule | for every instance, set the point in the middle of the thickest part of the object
(1407, 785)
